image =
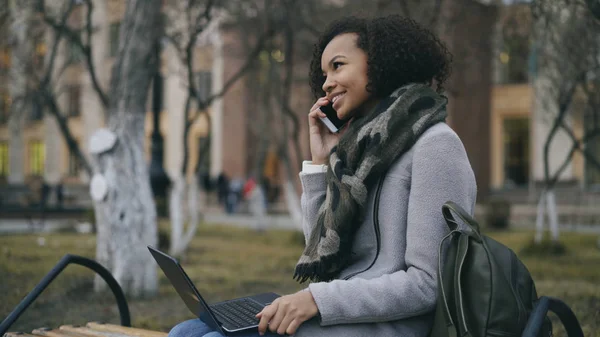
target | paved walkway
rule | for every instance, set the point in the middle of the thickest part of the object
(280, 221)
(20, 226)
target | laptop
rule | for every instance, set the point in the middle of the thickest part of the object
(228, 317)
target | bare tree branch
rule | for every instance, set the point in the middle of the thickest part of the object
(577, 144)
(193, 92)
(564, 103)
(90, 56)
(247, 65)
(405, 8)
(594, 7)
(85, 49)
(47, 78)
(50, 102)
(194, 95)
(569, 56)
(285, 98)
(554, 179)
(48, 98)
(435, 13)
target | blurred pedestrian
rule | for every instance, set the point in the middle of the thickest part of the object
(60, 194)
(255, 196)
(222, 189)
(234, 195)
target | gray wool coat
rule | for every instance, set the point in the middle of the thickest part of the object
(396, 295)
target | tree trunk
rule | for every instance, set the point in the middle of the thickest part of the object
(125, 210)
(293, 202)
(176, 212)
(546, 207)
(289, 187)
(257, 207)
(552, 214)
(544, 203)
(291, 194)
(184, 207)
(194, 210)
(539, 221)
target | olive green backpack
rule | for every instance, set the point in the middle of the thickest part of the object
(484, 290)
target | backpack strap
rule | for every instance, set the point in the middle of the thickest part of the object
(443, 301)
(451, 208)
(451, 292)
(461, 255)
(560, 308)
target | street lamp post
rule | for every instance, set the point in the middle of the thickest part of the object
(159, 180)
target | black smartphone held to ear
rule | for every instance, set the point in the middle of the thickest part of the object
(331, 120)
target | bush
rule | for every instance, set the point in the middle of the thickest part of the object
(90, 217)
(544, 248)
(498, 213)
(164, 239)
(162, 207)
(297, 239)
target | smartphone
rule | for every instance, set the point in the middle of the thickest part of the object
(331, 120)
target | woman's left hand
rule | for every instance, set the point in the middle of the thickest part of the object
(286, 313)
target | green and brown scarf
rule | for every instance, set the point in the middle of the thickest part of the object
(365, 152)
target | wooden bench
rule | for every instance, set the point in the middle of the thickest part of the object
(92, 329)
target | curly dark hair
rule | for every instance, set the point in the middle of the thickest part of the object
(399, 51)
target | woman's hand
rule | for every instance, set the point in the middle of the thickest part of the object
(286, 313)
(321, 139)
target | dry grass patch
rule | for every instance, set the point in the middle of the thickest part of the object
(226, 262)
(573, 277)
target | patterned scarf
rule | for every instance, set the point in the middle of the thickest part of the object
(364, 153)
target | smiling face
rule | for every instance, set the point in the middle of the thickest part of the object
(344, 66)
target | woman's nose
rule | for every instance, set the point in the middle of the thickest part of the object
(328, 85)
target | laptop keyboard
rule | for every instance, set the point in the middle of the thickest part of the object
(237, 314)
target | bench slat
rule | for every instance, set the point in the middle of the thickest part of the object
(87, 332)
(134, 332)
(55, 333)
(92, 329)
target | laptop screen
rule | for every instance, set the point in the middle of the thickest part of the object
(184, 287)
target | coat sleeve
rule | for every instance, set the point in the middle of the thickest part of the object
(314, 187)
(440, 172)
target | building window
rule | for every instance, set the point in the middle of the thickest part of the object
(75, 53)
(514, 61)
(204, 83)
(513, 41)
(40, 53)
(4, 158)
(37, 157)
(516, 152)
(74, 167)
(4, 59)
(74, 100)
(592, 172)
(37, 112)
(203, 161)
(4, 106)
(114, 38)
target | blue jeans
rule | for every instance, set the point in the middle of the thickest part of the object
(197, 328)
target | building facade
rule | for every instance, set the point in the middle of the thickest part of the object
(506, 158)
(521, 119)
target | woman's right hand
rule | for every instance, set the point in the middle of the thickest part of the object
(321, 139)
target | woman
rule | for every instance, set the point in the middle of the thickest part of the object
(372, 195)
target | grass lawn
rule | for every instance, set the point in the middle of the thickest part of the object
(221, 269)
